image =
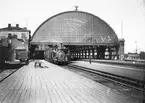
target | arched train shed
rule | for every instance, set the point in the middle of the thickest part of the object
(84, 34)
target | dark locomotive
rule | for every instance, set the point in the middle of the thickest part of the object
(22, 55)
(11, 55)
(3, 55)
(59, 55)
(7, 56)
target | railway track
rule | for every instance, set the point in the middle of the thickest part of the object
(110, 82)
(6, 73)
(8, 70)
(138, 85)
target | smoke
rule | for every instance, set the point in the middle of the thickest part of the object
(143, 3)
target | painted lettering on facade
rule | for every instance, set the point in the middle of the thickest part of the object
(100, 39)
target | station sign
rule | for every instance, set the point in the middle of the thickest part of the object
(101, 39)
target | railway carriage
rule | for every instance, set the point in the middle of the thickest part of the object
(49, 55)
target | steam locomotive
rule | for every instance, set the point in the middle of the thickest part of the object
(58, 56)
(22, 55)
(8, 56)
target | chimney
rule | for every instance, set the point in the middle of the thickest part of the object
(17, 25)
(9, 25)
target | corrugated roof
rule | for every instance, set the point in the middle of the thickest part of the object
(75, 27)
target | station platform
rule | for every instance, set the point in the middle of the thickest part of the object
(53, 84)
(132, 63)
(120, 70)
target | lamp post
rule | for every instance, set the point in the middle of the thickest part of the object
(136, 46)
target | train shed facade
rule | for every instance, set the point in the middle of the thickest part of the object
(84, 34)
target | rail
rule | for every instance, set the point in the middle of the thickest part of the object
(139, 85)
(8, 70)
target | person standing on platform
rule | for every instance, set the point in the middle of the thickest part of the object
(33, 56)
(90, 59)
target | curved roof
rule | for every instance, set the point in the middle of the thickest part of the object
(74, 27)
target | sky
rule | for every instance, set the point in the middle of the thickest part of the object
(126, 17)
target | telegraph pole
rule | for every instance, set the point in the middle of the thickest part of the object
(136, 46)
(121, 29)
(26, 23)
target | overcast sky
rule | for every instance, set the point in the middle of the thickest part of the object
(32, 13)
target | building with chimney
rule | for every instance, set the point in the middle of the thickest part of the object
(15, 37)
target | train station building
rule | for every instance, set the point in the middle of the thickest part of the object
(84, 34)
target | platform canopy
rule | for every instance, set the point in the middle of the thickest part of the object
(75, 28)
